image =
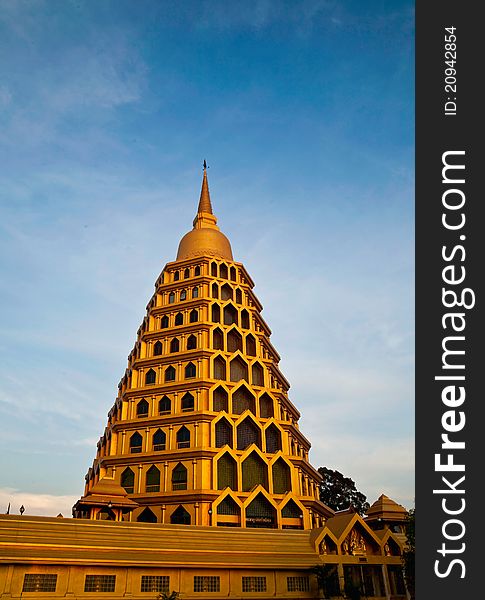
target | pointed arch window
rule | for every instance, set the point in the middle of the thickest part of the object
(217, 339)
(242, 400)
(254, 472)
(128, 480)
(165, 405)
(230, 315)
(219, 368)
(273, 439)
(152, 480)
(223, 433)
(150, 377)
(146, 516)
(226, 292)
(281, 477)
(191, 342)
(266, 406)
(195, 292)
(226, 472)
(215, 290)
(228, 507)
(234, 341)
(176, 276)
(159, 441)
(232, 271)
(170, 373)
(291, 510)
(197, 271)
(186, 273)
(244, 319)
(248, 433)
(216, 313)
(250, 345)
(214, 269)
(180, 516)
(260, 513)
(136, 442)
(158, 348)
(183, 295)
(238, 296)
(190, 371)
(258, 375)
(223, 271)
(174, 345)
(239, 369)
(220, 399)
(171, 298)
(164, 322)
(183, 437)
(142, 409)
(194, 316)
(179, 477)
(179, 319)
(187, 402)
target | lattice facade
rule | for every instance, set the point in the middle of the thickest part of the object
(202, 412)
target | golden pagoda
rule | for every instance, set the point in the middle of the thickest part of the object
(201, 483)
(202, 431)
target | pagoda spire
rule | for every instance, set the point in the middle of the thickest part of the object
(205, 199)
(205, 218)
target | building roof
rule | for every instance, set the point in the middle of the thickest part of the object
(46, 540)
(107, 492)
(339, 522)
(386, 509)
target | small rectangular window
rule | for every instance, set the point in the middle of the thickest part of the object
(298, 584)
(207, 583)
(254, 584)
(99, 583)
(39, 582)
(155, 583)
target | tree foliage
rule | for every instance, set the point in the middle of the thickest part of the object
(170, 596)
(339, 492)
(409, 554)
(327, 579)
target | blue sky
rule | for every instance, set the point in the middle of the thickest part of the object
(304, 112)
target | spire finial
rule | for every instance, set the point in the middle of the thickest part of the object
(205, 199)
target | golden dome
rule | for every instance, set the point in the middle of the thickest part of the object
(205, 239)
(204, 242)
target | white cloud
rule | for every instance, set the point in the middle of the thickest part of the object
(46, 505)
(378, 465)
(103, 75)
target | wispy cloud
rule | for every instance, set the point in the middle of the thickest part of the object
(105, 119)
(5, 96)
(46, 505)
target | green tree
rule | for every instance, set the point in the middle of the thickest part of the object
(170, 596)
(339, 492)
(327, 579)
(409, 554)
(352, 591)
